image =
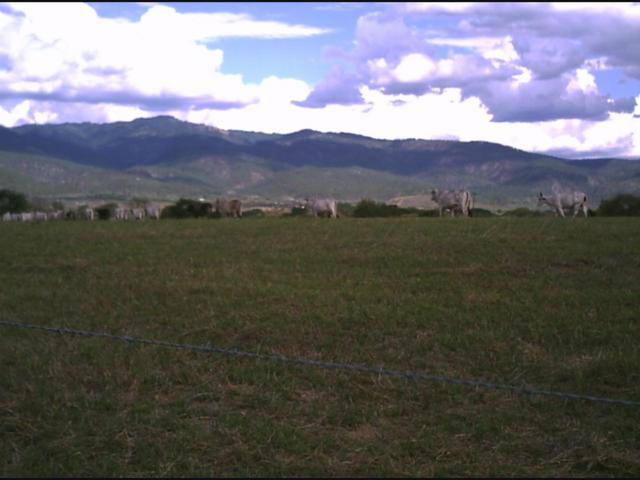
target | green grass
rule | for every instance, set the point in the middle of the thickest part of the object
(545, 302)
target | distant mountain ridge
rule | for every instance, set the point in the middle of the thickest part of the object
(172, 158)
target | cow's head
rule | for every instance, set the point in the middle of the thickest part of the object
(541, 198)
(434, 194)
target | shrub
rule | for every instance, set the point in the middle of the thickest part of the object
(296, 211)
(370, 208)
(345, 209)
(12, 202)
(187, 208)
(481, 212)
(622, 205)
(104, 212)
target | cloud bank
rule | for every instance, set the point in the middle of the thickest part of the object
(522, 74)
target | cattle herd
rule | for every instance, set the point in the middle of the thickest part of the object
(454, 201)
(85, 213)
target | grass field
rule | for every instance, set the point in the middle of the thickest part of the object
(543, 302)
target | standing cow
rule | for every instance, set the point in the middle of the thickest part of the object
(121, 213)
(559, 201)
(453, 200)
(228, 208)
(85, 213)
(138, 213)
(152, 211)
(322, 206)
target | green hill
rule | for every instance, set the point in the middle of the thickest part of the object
(166, 158)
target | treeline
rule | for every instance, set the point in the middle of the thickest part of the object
(189, 208)
(621, 205)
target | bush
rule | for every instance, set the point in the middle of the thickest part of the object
(187, 208)
(622, 205)
(104, 212)
(297, 211)
(481, 212)
(12, 202)
(345, 209)
(370, 208)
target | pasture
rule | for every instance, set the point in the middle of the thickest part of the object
(541, 302)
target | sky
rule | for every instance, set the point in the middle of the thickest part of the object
(555, 78)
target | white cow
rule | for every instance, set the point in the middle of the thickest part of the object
(85, 213)
(559, 201)
(467, 202)
(6, 217)
(152, 212)
(138, 213)
(460, 200)
(55, 215)
(321, 206)
(121, 213)
(229, 208)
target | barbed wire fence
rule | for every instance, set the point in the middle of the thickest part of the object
(380, 371)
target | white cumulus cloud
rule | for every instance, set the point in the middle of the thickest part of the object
(67, 53)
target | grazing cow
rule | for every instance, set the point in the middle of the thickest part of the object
(85, 213)
(137, 213)
(322, 206)
(453, 200)
(42, 216)
(121, 213)
(152, 212)
(6, 217)
(559, 201)
(228, 208)
(56, 215)
(235, 206)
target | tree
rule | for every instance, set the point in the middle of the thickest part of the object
(187, 208)
(622, 205)
(12, 202)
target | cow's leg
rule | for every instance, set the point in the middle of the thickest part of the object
(560, 211)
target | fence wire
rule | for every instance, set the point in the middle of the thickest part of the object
(380, 371)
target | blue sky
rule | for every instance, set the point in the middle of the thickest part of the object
(557, 78)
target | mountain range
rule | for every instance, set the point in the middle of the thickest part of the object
(163, 159)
